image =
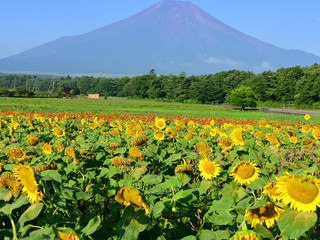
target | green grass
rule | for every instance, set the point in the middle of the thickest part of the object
(133, 106)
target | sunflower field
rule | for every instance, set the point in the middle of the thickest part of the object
(120, 176)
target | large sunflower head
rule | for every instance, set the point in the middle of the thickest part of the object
(303, 194)
(128, 196)
(268, 214)
(25, 174)
(245, 172)
(208, 169)
(160, 123)
(316, 132)
(236, 136)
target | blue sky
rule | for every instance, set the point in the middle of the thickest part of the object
(24, 24)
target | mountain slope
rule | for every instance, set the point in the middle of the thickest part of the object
(169, 36)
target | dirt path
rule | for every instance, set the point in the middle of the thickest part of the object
(288, 111)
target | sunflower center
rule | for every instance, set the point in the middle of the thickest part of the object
(302, 191)
(265, 212)
(245, 171)
(209, 168)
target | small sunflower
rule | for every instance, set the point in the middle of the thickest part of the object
(308, 142)
(33, 140)
(246, 235)
(138, 141)
(67, 235)
(46, 149)
(69, 151)
(160, 123)
(16, 154)
(271, 190)
(25, 174)
(120, 162)
(158, 135)
(259, 134)
(225, 144)
(184, 168)
(305, 128)
(268, 214)
(307, 117)
(128, 196)
(303, 194)
(113, 146)
(188, 136)
(273, 139)
(58, 146)
(202, 147)
(135, 153)
(245, 172)
(58, 132)
(236, 136)
(9, 181)
(208, 169)
(316, 132)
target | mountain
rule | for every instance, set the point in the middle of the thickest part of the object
(169, 36)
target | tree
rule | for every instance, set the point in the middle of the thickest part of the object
(242, 97)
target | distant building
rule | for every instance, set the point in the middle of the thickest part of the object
(93, 96)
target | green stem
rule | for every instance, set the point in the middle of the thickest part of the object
(14, 230)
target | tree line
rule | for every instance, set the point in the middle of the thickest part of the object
(294, 85)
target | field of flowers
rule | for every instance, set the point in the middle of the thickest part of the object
(94, 176)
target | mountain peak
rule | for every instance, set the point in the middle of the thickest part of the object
(170, 36)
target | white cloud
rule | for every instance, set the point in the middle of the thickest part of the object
(224, 61)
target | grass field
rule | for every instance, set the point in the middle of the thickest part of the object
(133, 106)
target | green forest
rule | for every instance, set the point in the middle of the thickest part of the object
(294, 86)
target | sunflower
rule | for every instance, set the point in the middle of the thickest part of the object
(316, 132)
(184, 168)
(308, 142)
(115, 131)
(138, 141)
(268, 214)
(69, 151)
(212, 122)
(271, 190)
(307, 117)
(305, 128)
(46, 167)
(262, 123)
(204, 135)
(33, 140)
(303, 194)
(58, 132)
(188, 136)
(160, 123)
(158, 135)
(202, 147)
(113, 146)
(245, 172)
(25, 174)
(246, 235)
(67, 235)
(130, 131)
(272, 139)
(9, 181)
(225, 144)
(180, 123)
(259, 134)
(92, 126)
(135, 153)
(16, 154)
(236, 136)
(128, 196)
(208, 169)
(120, 162)
(58, 146)
(46, 149)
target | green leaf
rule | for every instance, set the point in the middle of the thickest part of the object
(259, 204)
(157, 209)
(5, 194)
(259, 183)
(263, 231)
(220, 206)
(204, 186)
(152, 179)
(31, 213)
(189, 238)
(184, 178)
(92, 226)
(232, 190)
(223, 218)
(132, 223)
(217, 235)
(75, 194)
(187, 196)
(293, 224)
(43, 234)
(49, 175)
(7, 209)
